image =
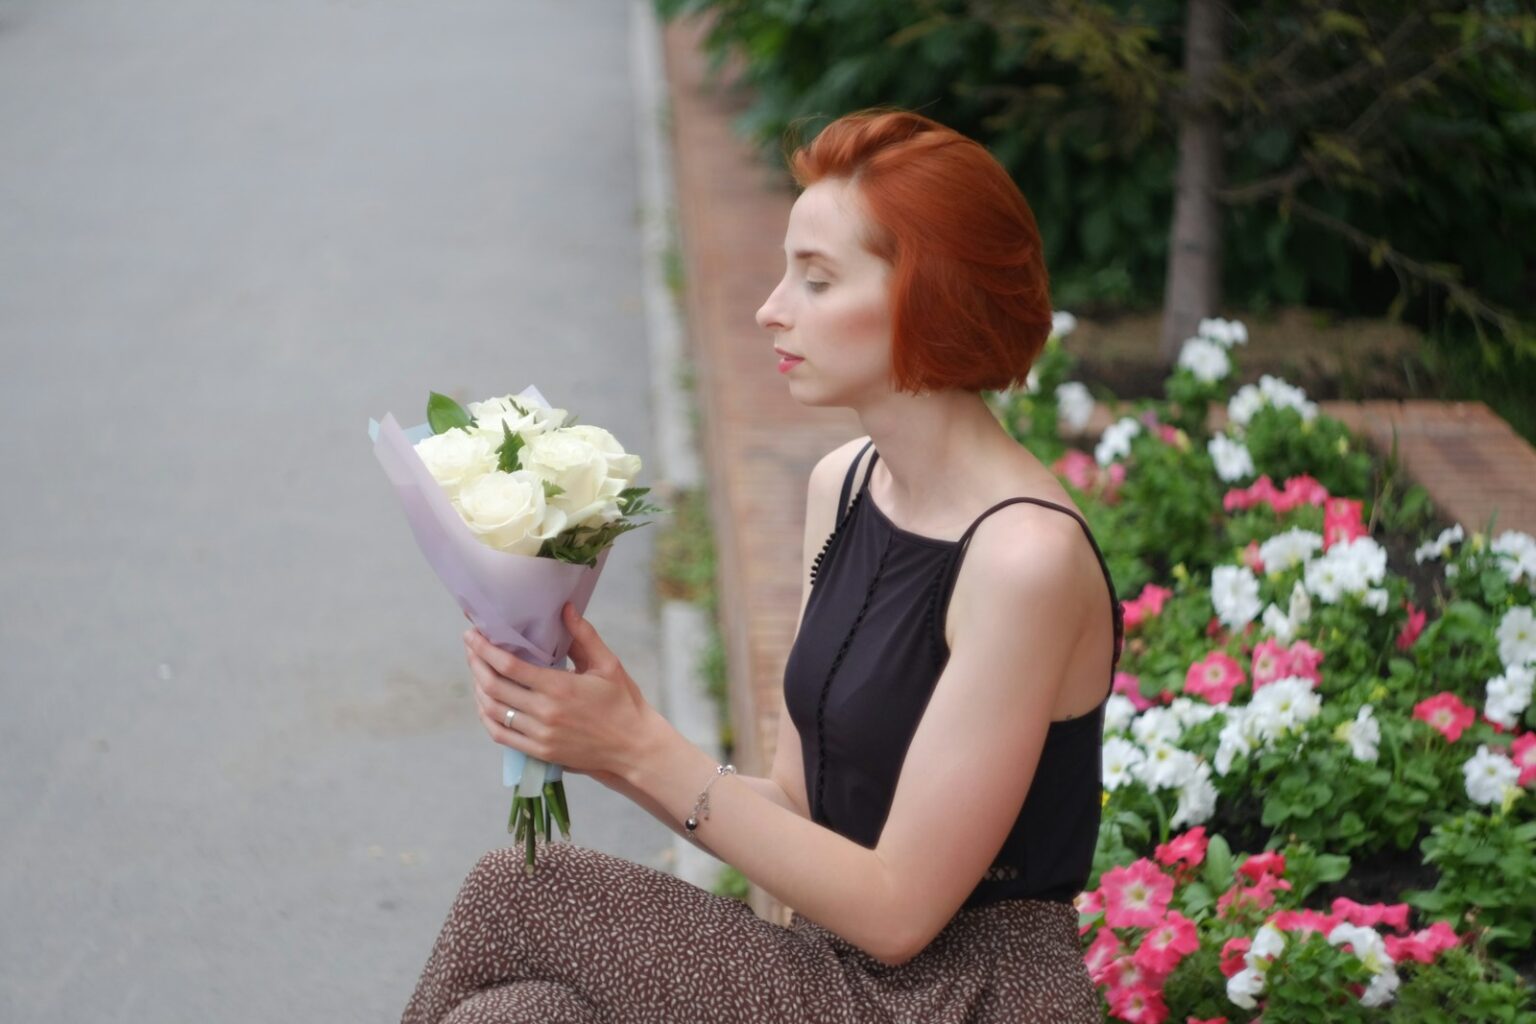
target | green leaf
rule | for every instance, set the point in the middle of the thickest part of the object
(443, 414)
(1218, 864)
(510, 451)
(551, 489)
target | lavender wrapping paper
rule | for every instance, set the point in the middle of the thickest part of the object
(514, 600)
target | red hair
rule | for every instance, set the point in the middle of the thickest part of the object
(970, 297)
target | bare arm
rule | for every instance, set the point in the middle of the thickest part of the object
(964, 779)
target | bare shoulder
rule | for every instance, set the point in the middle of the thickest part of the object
(827, 480)
(1024, 552)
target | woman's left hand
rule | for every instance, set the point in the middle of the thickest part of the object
(588, 721)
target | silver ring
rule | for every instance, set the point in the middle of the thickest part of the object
(510, 713)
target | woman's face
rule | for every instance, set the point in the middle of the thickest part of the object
(832, 307)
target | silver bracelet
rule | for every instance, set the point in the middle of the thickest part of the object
(702, 804)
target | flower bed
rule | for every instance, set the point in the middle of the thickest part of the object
(1319, 756)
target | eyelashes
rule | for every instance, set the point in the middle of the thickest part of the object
(817, 286)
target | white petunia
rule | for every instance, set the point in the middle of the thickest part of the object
(1244, 988)
(1235, 740)
(1118, 712)
(1283, 707)
(1062, 323)
(1440, 547)
(1277, 624)
(1232, 458)
(1121, 758)
(1489, 775)
(1517, 636)
(1191, 712)
(1518, 552)
(1157, 725)
(1371, 950)
(1032, 380)
(1197, 799)
(1224, 332)
(1288, 549)
(1115, 442)
(1074, 405)
(1167, 767)
(1268, 943)
(1349, 567)
(1235, 595)
(1363, 734)
(1206, 359)
(1509, 695)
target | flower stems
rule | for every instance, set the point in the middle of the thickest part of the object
(538, 816)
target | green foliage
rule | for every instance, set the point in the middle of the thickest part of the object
(443, 414)
(1378, 159)
(1487, 867)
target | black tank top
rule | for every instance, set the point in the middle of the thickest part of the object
(860, 674)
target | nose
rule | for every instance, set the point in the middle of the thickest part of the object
(768, 316)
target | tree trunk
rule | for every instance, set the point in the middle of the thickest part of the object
(1193, 286)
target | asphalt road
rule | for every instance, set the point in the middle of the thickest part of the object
(242, 773)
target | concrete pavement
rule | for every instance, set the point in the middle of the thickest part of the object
(243, 774)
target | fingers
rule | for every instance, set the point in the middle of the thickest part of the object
(588, 652)
(509, 665)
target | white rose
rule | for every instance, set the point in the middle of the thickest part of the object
(507, 511)
(566, 458)
(455, 459)
(620, 464)
(493, 412)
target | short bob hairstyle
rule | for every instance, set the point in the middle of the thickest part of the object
(970, 297)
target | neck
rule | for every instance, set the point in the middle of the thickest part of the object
(934, 447)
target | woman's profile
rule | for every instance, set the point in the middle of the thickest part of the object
(934, 798)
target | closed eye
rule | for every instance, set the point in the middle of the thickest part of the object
(817, 286)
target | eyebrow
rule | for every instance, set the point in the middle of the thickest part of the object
(815, 254)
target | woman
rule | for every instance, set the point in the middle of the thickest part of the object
(935, 792)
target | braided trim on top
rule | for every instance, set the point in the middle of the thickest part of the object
(826, 686)
(836, 532)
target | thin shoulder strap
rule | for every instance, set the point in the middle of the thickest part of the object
(845, 509)
(1116, 606)
(842, 501)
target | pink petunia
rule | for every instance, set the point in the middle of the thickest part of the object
(1300, 490)
(1305, 660)
(1271, 661)
(1090, 906)
(1147, 604)
(1252, 559)
(1078, 468)
(1445, 713)
(1422, 946)
(1125, 972)
(1188, 849)
(1138, 1004)
(1136, 896)
(1258, 896)
(1164, 946)
(1232, 955)
(1414, 626)
(1260, 864)
(1304, 921)
(1523, 753)
(1104, 950)
(1261, 492)
(1215, 677)
(1129, 686)
(1370, 915)
(1342, 521)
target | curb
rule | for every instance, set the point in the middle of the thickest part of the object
(684, 626)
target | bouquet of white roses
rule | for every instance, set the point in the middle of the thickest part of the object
(515, 506)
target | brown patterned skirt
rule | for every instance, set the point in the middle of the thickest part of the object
(595, 939)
